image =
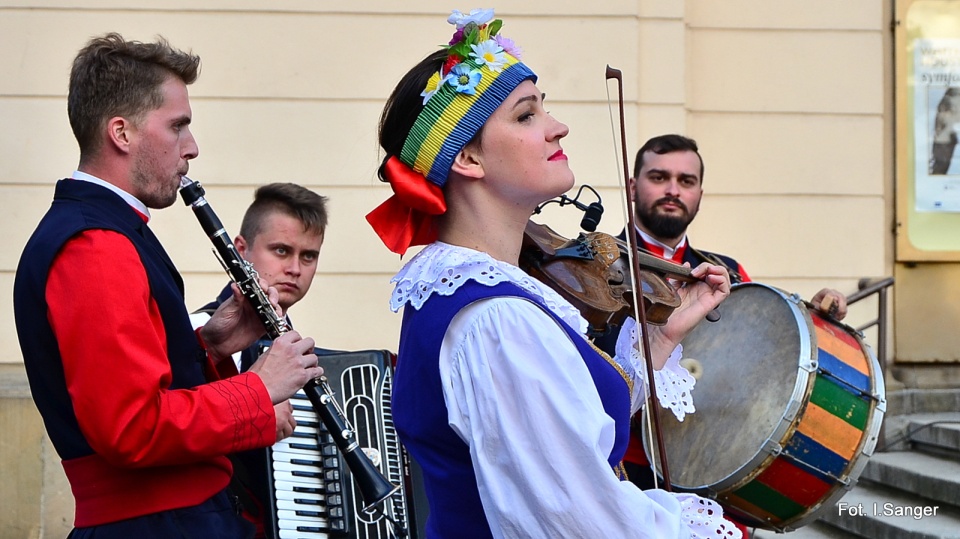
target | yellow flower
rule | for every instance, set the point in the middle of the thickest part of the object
(432, 86)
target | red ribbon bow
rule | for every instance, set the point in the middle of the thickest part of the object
(407, 217)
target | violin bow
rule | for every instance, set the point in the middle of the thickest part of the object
(639, 307)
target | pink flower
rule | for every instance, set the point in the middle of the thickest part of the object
(509, 46)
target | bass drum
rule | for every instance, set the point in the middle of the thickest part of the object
(789, 405)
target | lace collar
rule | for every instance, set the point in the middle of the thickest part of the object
(442, 268)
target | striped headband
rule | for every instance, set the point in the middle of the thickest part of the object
(480, 72)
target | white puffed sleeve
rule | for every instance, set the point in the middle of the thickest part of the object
(674, 382)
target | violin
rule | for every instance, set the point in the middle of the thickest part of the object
(592, 272)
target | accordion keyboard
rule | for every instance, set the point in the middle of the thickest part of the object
(313, 495)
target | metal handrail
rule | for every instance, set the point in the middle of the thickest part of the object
(868, 287)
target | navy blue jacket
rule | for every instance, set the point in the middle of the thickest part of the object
(78, 206)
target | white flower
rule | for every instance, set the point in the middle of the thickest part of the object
(490, 53)
(478, 16)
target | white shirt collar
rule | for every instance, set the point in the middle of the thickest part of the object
(441, 268)
(127, 197)
(668, 251)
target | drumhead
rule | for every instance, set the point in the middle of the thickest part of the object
(750, 362)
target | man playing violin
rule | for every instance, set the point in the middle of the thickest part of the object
(667, 186)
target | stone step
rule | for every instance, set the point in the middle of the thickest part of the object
(932, 477)
(939, 431)
(878, 512)
(814, 530)
(916, 401)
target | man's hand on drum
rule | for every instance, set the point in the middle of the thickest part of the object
(831, 303)
(697, 299)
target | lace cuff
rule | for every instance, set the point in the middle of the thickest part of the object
(705, 518)
(674, 382)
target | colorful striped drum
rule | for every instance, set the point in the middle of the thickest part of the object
(789, 406)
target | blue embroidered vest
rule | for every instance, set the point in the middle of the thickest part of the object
(420, 414)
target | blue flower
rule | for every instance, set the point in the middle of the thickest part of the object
(464, 79)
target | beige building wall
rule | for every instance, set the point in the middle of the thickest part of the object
(789, 101)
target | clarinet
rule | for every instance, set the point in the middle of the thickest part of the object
(373, 486)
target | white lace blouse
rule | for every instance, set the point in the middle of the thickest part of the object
(520, 396)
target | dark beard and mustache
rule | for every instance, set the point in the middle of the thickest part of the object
(665, 226)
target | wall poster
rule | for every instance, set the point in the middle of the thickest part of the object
(936, 93)
(927, 90)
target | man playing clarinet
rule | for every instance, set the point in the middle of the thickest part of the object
(141, 408)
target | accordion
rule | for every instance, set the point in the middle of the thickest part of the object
(303, 487)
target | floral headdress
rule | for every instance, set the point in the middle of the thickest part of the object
(481, 70)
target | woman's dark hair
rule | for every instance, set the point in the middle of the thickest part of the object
(404, 105)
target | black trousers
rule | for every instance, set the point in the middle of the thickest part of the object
(216, 518)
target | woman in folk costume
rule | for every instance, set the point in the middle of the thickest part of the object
(518, 422)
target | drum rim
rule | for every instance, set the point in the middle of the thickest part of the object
(771, 447)
(807, 367)
(864, 451)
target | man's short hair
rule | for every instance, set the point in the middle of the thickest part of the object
(667, 144)
(113, 77)
(290, 199)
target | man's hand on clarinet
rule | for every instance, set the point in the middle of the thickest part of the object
(287, 366)
(235, 325)
(285, 420)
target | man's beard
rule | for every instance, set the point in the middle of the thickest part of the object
(665, 226)
(154, 191)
